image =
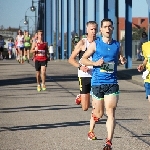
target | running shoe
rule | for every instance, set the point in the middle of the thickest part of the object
(25, 58)
(91, 136)
(43, 87)
(38, 88)
(78, 99)
(108, 145)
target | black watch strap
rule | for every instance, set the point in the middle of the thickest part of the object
(79, 66)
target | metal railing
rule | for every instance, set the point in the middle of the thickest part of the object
(134, 48)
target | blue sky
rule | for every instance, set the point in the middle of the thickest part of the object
(13, 11)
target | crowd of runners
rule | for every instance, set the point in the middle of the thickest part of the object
(22, 46)
(97, 70)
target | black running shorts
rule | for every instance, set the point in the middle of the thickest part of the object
(38, 64)
(1, 49)
(85, 85)
(98, 91)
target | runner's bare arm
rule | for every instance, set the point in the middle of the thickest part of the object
(33, 47)
(120, 52)
(91, 49)
(121, 56)
(72, 59)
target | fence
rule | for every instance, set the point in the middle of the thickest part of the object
(134, 48)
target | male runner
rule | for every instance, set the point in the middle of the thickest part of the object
(105, 89)
(40, 49)
(84, 72)
(146, 65)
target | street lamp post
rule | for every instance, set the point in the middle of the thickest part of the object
(33, 8)
(19, 24)
(26, 21)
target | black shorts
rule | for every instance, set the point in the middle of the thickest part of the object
(1, 49)
(38, 64)
(85, 85)
(27, 48)
(21, 48)
(98, 91)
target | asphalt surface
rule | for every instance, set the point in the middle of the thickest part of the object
(50, 120)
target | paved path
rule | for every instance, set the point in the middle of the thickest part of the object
(50, 120)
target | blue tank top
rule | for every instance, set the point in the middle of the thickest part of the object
(107, 73)
(10, 45)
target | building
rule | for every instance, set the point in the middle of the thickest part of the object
(7, 34)
(136, 22)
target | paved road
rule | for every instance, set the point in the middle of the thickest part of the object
(50, 120)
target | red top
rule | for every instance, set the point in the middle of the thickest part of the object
(41, 53)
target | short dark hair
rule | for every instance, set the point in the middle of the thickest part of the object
(106, 20)
(40, 31)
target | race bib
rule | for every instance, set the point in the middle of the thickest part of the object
(10, 47)
(107, 67)
(41, 52)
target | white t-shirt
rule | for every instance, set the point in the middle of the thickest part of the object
(20, 40)
(51, 50)
(89, 73)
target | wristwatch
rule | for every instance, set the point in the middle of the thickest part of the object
(79, 66)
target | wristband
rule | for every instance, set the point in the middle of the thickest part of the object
(79, 66)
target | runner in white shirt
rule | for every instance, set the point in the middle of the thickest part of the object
(20, 45)
(84, 72)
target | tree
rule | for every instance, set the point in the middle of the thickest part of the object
(2, 27)
(136, 33)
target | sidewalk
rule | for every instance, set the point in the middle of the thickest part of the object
(50, 120)
(131, 74)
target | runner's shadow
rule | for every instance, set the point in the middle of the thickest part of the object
(44, 126)
(37, 108)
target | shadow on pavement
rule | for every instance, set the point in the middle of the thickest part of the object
(30, 80)
(143, 135)
(132, 91)
(55, 125)
(46, 126)
(128, 73)
(36, 108)
(66, 77)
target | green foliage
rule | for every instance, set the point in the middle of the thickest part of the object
(136, 33)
